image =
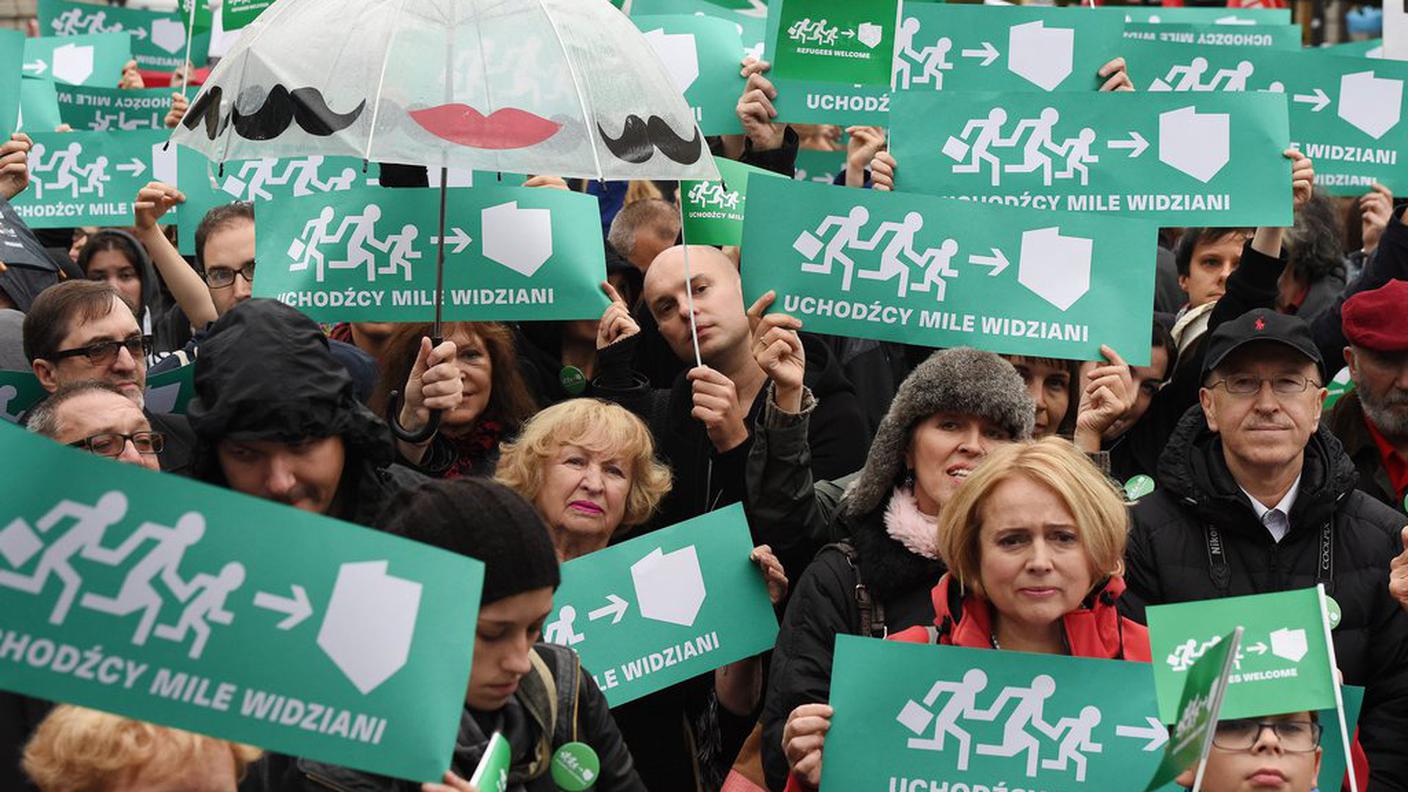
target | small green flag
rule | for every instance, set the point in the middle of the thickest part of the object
(235, 14)
(714, 210)
(1198, 710)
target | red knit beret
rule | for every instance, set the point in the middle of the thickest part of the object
(1378, 319)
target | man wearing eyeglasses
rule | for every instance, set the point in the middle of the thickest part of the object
(83, 330)
(1254, 498)
(100, 419)
(1275, 752)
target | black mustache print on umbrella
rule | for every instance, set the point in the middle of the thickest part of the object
(304, 106)
(639, 139)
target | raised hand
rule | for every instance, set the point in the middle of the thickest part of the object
(778, 351)
(616, 321)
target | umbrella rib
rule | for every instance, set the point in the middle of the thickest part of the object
(381, 82)
(581, 95)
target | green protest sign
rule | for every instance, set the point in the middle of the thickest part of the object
(1209, 160)
(91, 178)
(1346, 114)
(270, 625)
(831, 59)
(702, 54)
(168, 392)
(819, 166)
(11, 63)
(158, 37)
(491, 774)
(664, 607)
(1198, 708)
(94, 59)
(39, 106)
(235, 14)
(112, 109)
(1333, 761)
(1281, 37)
(1201, 16)
(1284, 663)
(368, 254)
(943, 273)
(919, 717)
(714, 211)
(197, 16)
(981, 48)
(1369, 48)
(750, 26)
(19, 390)
(1338, 386)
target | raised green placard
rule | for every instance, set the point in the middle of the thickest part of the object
(831, 59)
(167, 392)
(158, 37)
(985, 48)
(749, 24)
(703, 55)
(1206, 160)
(1281, 37)
(39, 106)
(1346, 114)
(1284, 664)
(664, 607)
(1198, 708)
(235, 14)
(942, 273)
(1200, 16)
(11, 65)
(368, 254)
(86, 108)
(167, 600)
(91, 178)
(714, 210)
(92, 59)
(918, 717)
(19, 390)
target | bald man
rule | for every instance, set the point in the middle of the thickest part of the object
(704, 423)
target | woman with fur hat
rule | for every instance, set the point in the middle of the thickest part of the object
(948, 414)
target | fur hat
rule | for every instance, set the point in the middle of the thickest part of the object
(961, 380)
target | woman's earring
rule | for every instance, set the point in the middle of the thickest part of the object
(908, 481)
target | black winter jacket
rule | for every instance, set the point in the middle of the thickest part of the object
(1168, 561)
(526, 721)
(824, 605)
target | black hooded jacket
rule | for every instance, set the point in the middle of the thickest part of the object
(265, 373)
(1168, 561)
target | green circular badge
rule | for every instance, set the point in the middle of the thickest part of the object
(1332, 610)
(575, 767)
(1338, 387)
(1138, 486)
(573, 380)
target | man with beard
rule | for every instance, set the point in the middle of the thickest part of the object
(1372, 421)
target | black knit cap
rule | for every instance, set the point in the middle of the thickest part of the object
(481, 519)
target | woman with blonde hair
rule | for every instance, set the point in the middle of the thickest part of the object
(83, 750)
(1034, 544)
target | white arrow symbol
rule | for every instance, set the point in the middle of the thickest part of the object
(296, 608)
(987, 52)
(1135, 143)
(1155, 733)
(136, 167)
(140, 33)
(997, 261)
(617, 607)
(1319, 99)
(457, 238)
(38, 67)
(1258, 647)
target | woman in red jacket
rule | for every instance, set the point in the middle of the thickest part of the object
(1034, 543)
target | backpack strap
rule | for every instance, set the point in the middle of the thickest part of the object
(872, 612)
(564, 686)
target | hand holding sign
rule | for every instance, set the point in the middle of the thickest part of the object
(131, 78)
(803, 737)
(1398, 574)
(453, 783)
(1116, 75)
(755, 108)
(865, 142)
(1107, 393)
(1302, 177)
(1375, 210)
(14, 165)
(773, 574)
(179, 103)
(616, 321)
(778, 351)
(882, 172)
(152, 202)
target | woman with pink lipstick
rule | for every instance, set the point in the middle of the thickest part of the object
(1034, 544)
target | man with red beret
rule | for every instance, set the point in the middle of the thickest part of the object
(1372, 421)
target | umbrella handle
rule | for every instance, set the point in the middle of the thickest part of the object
(393, 410)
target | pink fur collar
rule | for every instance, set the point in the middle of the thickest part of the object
(909, 526)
